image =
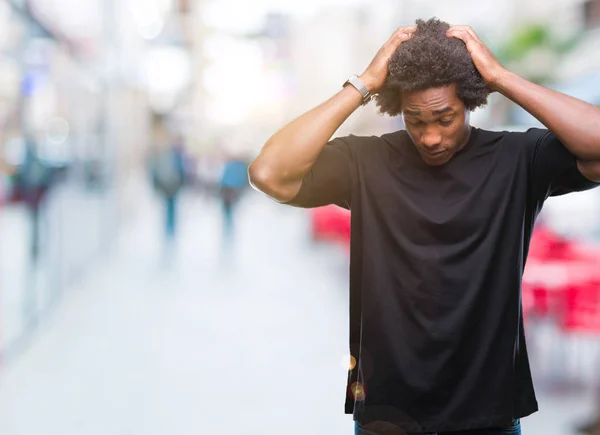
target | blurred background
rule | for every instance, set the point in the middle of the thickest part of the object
(146, 289)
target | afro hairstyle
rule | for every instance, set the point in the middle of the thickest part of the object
(431, 59)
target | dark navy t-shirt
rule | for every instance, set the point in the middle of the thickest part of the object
(437, 257)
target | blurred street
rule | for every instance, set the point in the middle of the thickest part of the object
(27, 292)
(249, 341)
(244, 341)
(146, 289)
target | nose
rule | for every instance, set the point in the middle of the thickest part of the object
(431, 139)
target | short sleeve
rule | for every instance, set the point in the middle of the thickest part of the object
(554, 168)
(330, 180)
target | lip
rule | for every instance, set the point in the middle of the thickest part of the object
(438, 153)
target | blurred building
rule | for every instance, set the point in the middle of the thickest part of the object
(328, 47)
(81, 81)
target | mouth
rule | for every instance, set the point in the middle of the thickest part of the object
(435, 154)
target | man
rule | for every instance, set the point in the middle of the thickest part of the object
(442, 215)
(167, 168)
(234, 181)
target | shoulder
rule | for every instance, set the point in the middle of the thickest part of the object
(371, 144)
(513, 135)
(359, 140)
(524, 139)
(373, 149)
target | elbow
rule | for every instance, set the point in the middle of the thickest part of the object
(258, 176)
(264, 179)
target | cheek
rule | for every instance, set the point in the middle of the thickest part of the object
(458, 131)
(458, 135)
(452, 136)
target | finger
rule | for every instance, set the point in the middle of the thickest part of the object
(462, 27)
(392, 45)
(399, 37)
(402, 37)
(467, 29)
(463, 35)
(407, 29)
(404, 30)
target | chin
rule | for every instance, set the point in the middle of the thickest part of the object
(436, 161)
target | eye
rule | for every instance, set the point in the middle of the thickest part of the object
(446, 122)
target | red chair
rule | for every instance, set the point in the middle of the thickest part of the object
(543, 286)
(581, 310)
(579, 325)
(330, 223)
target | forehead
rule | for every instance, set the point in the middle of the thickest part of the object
(428, 100)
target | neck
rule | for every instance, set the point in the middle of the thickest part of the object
(467, 137)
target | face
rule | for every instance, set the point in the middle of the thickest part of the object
(437, 121)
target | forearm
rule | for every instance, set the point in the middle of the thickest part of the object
(292, 151)
(575, 122)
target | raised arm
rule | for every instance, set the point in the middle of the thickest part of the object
(293, 150)
(574, 122)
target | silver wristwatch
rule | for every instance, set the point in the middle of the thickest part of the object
(360, 87)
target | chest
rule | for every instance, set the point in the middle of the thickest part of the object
(445, 204)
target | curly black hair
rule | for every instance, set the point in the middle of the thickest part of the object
(431, 59)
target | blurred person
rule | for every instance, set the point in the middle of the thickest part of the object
(168, 176)
(234, 181)
(33, 179)
(442, 216)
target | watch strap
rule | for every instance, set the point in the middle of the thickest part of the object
(357, 83)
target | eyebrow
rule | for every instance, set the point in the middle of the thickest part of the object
(435, 112)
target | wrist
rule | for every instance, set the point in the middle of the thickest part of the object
(369, 83)
(357, 83)
(503, 81)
